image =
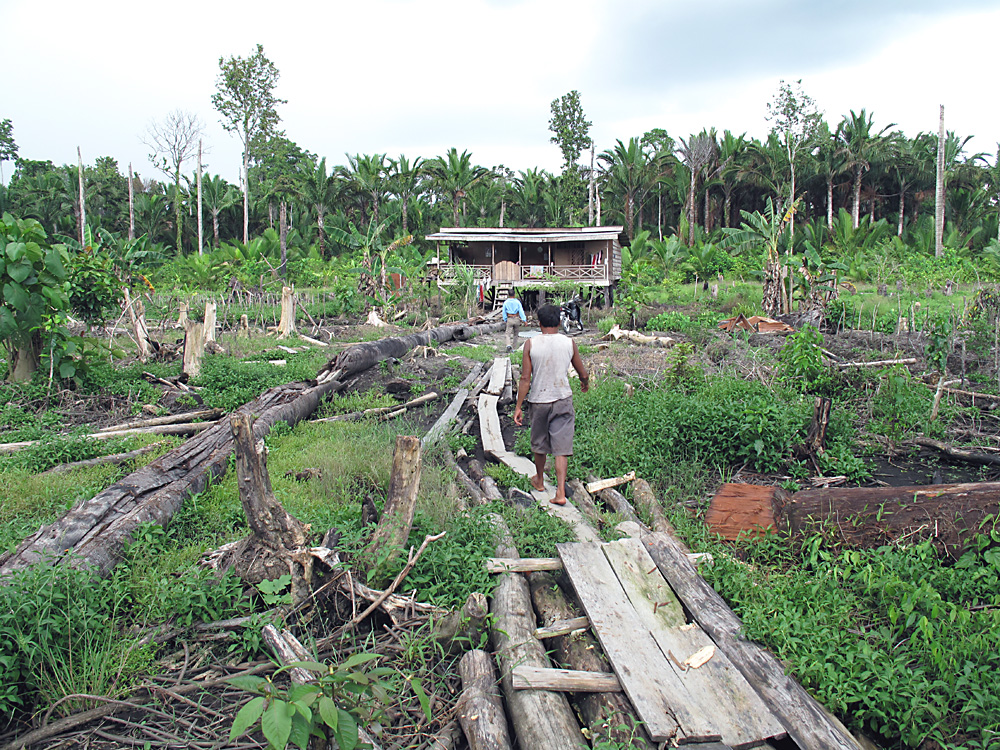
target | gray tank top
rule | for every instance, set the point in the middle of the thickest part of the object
(551, 354)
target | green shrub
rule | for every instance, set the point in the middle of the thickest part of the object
(671, 320)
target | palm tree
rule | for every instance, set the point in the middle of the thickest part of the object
(527, 202)
(731, 151)
(628, 172)
(404, 182)
(319, 192)
(367, 177)
(860, 146)
(151, 212)
(217, 196)
(454, 175)
(827, 163)
(697, 153)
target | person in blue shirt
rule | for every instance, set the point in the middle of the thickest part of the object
(513, 316)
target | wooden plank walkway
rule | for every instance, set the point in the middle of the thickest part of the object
(641, 626)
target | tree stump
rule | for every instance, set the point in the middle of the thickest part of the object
(244, 326)
(286, 325)
(194, 348)
(275, 547)
(209, 321)
(397, 515)
(182, 316)
(137, 317)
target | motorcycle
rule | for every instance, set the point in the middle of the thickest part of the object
(569, 315)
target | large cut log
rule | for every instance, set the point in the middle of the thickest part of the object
(397, 518)
(608, 714)
(871, 516)
(462, 629)
(368, 354)
(94, 531)
(647, 502)
(541, 719)
(479, 708)
(805, 720)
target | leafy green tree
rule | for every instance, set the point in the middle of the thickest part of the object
(698, 153)
(367, 178)
(245, 99)
(628, 173)
(33, 276)
(319, 192)
(764, 230)
(173, 141)
(527, 202)
(8, 148)
(570, 128)
(218, 196)
(794, 119)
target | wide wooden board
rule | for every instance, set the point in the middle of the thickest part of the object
(498, 376)
(564, 680)
(489, 425)
(642, 669)
(716, 689)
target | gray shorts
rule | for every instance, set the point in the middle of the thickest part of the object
(552, 426)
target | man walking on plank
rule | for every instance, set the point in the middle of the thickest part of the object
(513, 316)
(545, 370)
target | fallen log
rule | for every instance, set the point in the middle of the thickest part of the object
(647, 502)
(608, 714)
(565, 680)
(94, 532)
(582, 500)
(803, 717)
(463, 628)
(475, 494)
(962, 454)
(618, 503)
(950, 514)
(368, 354)
(878, 363)
(640, 338)
(167, 429)
(356, 416)
(479, 708)
(203, 414)
(541, 718)
(114, 458)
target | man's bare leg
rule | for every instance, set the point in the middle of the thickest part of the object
(538, 481)
(562, 466)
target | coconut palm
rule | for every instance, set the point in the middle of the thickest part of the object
(861, 145)
(527, 202)
(628, 172)
(731, 151)
(367, 178)
(318, 190)
(454, 175)
(404, 182)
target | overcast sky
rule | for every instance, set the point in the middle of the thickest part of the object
(420, 76)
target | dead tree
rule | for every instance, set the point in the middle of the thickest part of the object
(194, 348)
(286, 325)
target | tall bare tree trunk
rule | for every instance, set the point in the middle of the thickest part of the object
(902, 207)
(283, 234)
(590, 190)
(201, 222)
(178, 217)
(131, 205)
(322, 230)
(829, 202)
(83, 208)
(856, 203)
(691, 218)
(939, 191)
(246, 195)
(597, 195)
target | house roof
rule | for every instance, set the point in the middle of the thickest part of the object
(526, 235)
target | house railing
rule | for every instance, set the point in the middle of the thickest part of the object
(541, 274)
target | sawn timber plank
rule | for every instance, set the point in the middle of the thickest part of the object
(645, 676)
(716, 689)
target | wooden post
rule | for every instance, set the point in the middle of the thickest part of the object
(209, 322)
(137, 316)
(244, 326)
(397, 518)
(182, 317)
(194, 348)
(479, 709)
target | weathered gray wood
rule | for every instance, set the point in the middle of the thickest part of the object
(643, 495)
(562, 627)
(498, 376)
(460, 629)
(463, 479)
(642, 669)
(582, 500)
(166, 429)
(618, 503)
(114, 458)
(440, 427)
(473, 374)
(805, 720)
(479, 709)
(489, 426)
(522, 565)
(194, 348)
(716, 689)
(190, 416)
(565, 680)
(542, 719)
(609, 716)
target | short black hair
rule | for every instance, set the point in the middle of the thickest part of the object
(510, 292)
(548, 316)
